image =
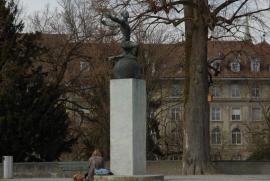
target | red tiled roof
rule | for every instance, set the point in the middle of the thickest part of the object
(171, 56)
(245, 51)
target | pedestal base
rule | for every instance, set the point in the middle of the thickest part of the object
(130, 178)
(128, 127)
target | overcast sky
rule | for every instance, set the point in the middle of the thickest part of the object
(31, 6)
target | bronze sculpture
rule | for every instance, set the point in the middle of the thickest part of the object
(126, 67)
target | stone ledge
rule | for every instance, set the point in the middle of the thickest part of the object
(129, 178)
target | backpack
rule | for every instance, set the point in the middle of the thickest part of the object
(102, 171)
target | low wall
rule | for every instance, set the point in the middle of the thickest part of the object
(221, 167)
(242, 167)
(68, 169)
(164, 167)
(37, 169)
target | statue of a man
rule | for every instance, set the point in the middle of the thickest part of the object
(122, 23)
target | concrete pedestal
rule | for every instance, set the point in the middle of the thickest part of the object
(128, 126)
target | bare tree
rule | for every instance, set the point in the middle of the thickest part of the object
(158, 97)
(199, 18)
(258, 135)
(77, 59)
(67, 35)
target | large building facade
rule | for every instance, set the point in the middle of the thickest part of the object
(239, 97)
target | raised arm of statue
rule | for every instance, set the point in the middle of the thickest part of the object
(108, 23)
(122, 22)
(113, 18)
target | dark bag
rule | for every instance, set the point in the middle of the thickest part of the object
(86, 175)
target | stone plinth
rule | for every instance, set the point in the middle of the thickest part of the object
(128, 126)
(130, 178)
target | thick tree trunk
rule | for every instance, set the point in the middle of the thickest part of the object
(196, 123)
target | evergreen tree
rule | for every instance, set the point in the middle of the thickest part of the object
(33, 122)
(9, 31)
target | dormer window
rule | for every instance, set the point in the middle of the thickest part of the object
(180, 68)
(84, 65)
(216, 65)
(255, 65)
(235, 66)
(235, 63)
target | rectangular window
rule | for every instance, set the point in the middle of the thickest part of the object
(175, 114)
(256, 114)
(236, 114)
(216, 136)
(255, 92)
(215, 139)
(235, 91)
(175, 90)
(255, 66)
(215, 114)
(216, 92)
(181, 112)
(236, 138)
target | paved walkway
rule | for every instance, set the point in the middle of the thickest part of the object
(173, 178)
(219, 178)
(38, 179)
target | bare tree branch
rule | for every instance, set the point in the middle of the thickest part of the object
(234, 17)
(223, 5)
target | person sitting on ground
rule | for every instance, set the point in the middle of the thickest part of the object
(95, 162)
